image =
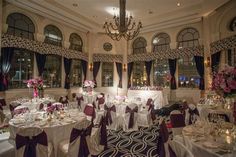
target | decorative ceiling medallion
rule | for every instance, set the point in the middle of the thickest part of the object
(107, 46)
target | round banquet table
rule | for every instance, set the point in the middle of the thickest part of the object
(57, 130)
(202, 144)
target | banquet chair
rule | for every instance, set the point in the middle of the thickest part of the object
(64, 100)
(177, 122)
(80, 102)
(84, 141)
(145, 115)
(179, 149)
(191, 114)
(111, 116)
(32, 142)
(89, 111)
(130, 118)
(100, 102)
(163, 146)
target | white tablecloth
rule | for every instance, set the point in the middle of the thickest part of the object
(57, 130)
(158, 97)
(205, 110)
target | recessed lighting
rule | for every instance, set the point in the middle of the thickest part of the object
(178, 4)
(75, 5)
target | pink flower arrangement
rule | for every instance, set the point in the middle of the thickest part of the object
(224, 82)
(36, 83)
(89, 83)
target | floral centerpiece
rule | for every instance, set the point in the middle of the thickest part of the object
(89, 85)
(37, 85)
(224, 82)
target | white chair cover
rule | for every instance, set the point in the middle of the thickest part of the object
(126, 118)
(179, 149)
(144, 114)
(115, 119)
(187, 115)
(41, 150)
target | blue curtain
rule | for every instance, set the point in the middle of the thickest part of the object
(96, 66)
(6, 58)
(84, 68)
(130, 69)
(119, 71)
(41, 60)
(215, 61)
(67, 67)
(199, 60)
(172, 66)
(148, 65)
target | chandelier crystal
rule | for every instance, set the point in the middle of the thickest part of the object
(122, 26)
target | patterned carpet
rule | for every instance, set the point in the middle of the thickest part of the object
(140, 143)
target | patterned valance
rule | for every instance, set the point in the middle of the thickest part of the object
(223, 44)
(98, 57)
(40, 47)
(169, 54)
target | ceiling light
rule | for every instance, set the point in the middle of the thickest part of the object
(122, 25)
(178, 4)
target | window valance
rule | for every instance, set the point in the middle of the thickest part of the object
(40, 47)
(223, 44)
(168, 54)
(98, 57)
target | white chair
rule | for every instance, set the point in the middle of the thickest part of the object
(91, 140)
(100, 102)
(23, 140)
(130, 118)
(111, 116)
(191, 114)
(179, 149)
(144, 115)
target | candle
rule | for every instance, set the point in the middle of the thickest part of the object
(228, 140)
(227, 132)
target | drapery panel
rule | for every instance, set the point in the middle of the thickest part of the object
(84, 68)
(6, 58)
(96, 66)
(199, 60)
(148, 65)
(130, 69)
(215, 62)
(119, 71)
(67, 67)
(41, 60)
(172, 66)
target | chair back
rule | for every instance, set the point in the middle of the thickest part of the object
(31, 142)
(64, 100)
(131, 111)
(89, 111)
(78, 146)
(109, 110)
(79, 100)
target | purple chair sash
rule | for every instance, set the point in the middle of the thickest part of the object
(192, 113)
(177, 120)
(108, 114)
(79, 99)
(131, 118)
(90, 111)
(83, 147)
(64, 101)
(100, 101)
(2, 103)
(31, 143)
(103, 133)
(149, 102)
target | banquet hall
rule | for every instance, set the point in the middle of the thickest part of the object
(118, 78)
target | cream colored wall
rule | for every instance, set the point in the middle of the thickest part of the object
(212, 27)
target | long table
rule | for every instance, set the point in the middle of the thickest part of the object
(157, 95)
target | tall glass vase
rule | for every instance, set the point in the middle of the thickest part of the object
(41, 93)
(35, 93)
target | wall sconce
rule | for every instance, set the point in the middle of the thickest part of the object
(207, 62)
(91, 66)
(124, 67)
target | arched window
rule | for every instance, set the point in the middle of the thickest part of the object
(139, 72)
(20, 25)
(53, 35)
(76, 42)
(187, 72)
(22, 60)
(188, 37)
(161, 42)
(139, 45)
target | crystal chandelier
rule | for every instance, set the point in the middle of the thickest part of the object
(122, 26)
